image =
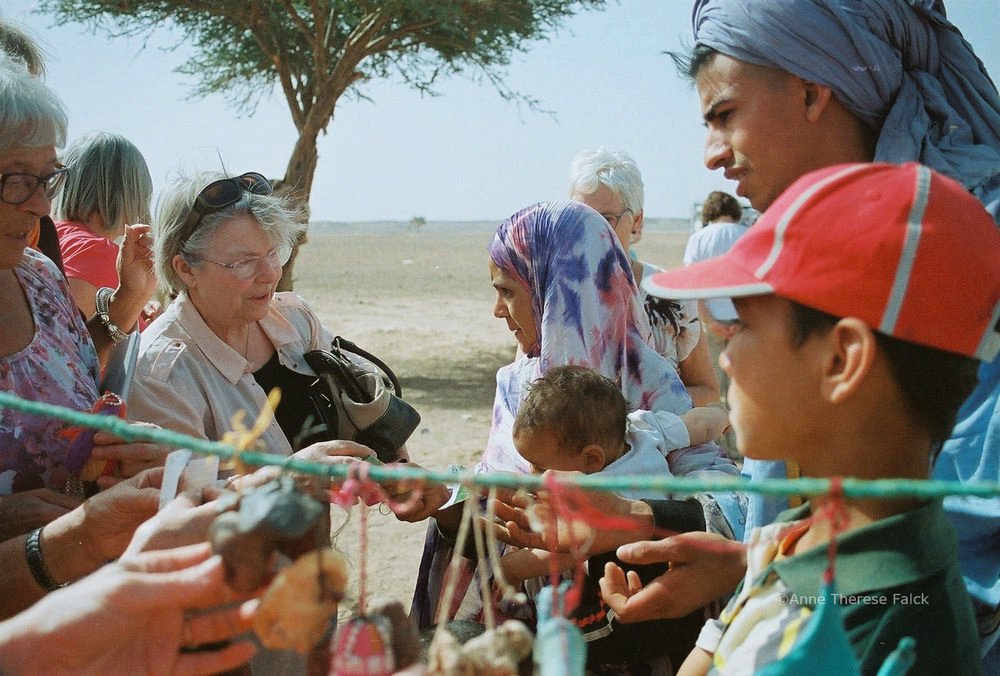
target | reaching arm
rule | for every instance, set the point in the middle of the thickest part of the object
(698, 375)
(131, 617)
(78, 542)
(137, 282)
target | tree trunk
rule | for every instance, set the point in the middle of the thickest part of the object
(297, 184)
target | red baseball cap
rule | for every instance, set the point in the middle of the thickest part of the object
(901, 247)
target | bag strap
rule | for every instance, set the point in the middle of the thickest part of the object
(341, 343)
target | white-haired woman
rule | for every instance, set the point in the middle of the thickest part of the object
(228, 339)
(47, 352)
(109, 188)
(610, 183)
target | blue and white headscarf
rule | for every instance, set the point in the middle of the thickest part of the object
(898, 65)
(586, 311)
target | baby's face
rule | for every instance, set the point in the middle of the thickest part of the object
(541, 448)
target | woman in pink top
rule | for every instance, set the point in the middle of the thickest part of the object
(109, 187)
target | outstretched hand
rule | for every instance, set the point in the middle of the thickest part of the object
(520, 516)
(413, 500)
(134, 617)
(129, 457)
(703, 567)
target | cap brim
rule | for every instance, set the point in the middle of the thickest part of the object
(713, 278)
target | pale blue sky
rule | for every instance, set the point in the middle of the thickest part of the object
(465, 155)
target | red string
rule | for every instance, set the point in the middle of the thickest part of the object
(835, 511)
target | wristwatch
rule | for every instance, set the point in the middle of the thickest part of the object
(103, 300)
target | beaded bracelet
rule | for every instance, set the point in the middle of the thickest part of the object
(103, 304)
(33, 552)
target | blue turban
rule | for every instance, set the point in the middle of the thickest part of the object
(898, 65)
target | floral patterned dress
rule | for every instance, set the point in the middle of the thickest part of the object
(59, 366)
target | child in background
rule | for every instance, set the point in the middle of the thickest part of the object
(851, 360)
(575, 419)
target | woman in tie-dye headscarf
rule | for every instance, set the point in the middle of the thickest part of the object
(565, 288)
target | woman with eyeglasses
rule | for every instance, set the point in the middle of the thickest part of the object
(48, 352)
(227, 339)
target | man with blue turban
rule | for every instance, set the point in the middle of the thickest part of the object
(788, 87)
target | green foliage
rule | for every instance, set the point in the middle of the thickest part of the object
(316, 49)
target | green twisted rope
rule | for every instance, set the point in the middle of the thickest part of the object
(856, 488)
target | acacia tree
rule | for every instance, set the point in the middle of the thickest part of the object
(319, 50)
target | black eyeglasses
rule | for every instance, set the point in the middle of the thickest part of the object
(18, 188)
(220, 194)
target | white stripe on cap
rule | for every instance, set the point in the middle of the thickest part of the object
(790, 213)
(911, 241)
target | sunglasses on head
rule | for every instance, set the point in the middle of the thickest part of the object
(220, 194)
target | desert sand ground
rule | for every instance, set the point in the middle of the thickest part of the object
(422, 302)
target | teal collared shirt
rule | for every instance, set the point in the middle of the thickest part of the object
(896, 577)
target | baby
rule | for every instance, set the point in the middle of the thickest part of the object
(574, 419)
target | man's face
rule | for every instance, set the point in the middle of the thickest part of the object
(757, 130)
(773, 381)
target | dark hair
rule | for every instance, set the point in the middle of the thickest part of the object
(579, 405)
(934, 383)
(688, 65)
(719, 204)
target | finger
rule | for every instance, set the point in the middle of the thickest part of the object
(128, 468)
(56, 499)
(133, 452)
(345, 448)
(106, 481)
(523, 538)
(650, 551)
(178, 578)
(634, 583)
(614, 588)
(151, 478)
(167, 560)
(517, 515)
(216, 625)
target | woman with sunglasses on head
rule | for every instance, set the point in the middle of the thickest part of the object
(47, 352)
(227, 339)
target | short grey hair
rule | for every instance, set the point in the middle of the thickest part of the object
(108, 175)
(278, 216)
(613, 168)
(31, 115)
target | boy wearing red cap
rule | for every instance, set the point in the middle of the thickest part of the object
(850, 360)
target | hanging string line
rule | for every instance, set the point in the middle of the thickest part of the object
(851, 488)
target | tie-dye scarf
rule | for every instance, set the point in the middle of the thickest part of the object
(584, 302)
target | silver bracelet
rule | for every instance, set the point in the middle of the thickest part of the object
(33, 552)
(103, 303)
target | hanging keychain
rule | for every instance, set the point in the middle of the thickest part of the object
(498, 651)
(381, 639)
(560, 649)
